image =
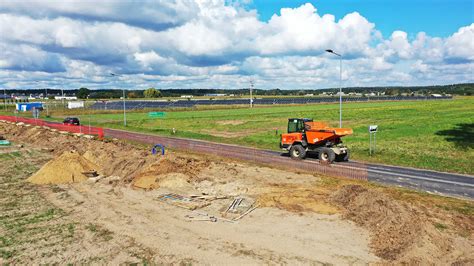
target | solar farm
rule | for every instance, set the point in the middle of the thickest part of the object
(151, 104)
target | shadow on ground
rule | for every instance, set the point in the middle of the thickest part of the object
(462, 135)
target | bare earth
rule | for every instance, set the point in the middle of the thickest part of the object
(299, 218)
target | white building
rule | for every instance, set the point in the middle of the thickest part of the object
(67, 98)
(215, 94)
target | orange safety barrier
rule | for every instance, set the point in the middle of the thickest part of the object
(59, 126)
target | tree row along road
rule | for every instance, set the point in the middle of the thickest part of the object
(424, 180)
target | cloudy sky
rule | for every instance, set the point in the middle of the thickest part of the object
(224, 44)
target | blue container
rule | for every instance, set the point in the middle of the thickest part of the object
(23, 107)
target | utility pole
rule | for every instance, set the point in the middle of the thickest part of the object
(124, 109)
(46, 100)
(340, 91)
(5, 98)
(340, 84)
(62, 98)
(251, 90)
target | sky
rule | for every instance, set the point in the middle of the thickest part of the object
(227, 43)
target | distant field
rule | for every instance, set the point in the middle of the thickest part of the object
(426, 134)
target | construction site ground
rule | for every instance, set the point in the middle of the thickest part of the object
(51, 211)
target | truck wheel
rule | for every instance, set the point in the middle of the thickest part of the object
(326, 155)
(344, 157)
(297, 152)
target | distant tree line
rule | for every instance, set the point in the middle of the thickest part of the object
(84, 93)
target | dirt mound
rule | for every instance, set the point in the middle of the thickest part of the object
(400, 232)
(154, 174)
(175, 180)
(395, 226)
(114, 158)
(146, 182)
(67, 168)
(118, 159)
(171, 180)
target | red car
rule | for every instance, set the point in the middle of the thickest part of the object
(73, 121)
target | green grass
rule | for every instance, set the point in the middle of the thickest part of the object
(411, 133)
(440, 226)
(26, 218)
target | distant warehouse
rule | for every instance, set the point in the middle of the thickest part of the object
(215, 94)
(67, 98)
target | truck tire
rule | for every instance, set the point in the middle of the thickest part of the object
(297, 152)
(326, 155)
(344, 157)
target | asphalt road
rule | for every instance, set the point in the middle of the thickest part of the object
(440, 183)
(425, 180)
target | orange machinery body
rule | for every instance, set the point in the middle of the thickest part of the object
(316, 133)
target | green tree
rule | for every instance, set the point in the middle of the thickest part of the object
(152, 93)
(83, 93)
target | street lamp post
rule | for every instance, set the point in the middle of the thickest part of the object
(340, 85)
(62, 98)
(251, 92)
(46, 99)
(5, 98)
(124, 110)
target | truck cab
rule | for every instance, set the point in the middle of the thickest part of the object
(296, 130)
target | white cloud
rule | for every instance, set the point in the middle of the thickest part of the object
(302, 30)
(206, 43)
(399, 44)
(147, 13)
(461, 44)
(30, 58)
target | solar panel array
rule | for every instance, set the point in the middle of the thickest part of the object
(140, 104)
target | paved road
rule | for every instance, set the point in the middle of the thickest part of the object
(424, 180)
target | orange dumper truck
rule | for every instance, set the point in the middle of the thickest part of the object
(304, 136)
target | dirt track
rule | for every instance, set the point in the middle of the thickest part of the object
(301, 219)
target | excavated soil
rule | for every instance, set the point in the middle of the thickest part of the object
(171, 172)
(113, 158)
(69, 167)
(401, 232)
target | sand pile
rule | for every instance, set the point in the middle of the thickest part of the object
(175, 181)
(67, 168)
(119, 159)
(188, 166)
(171, 172)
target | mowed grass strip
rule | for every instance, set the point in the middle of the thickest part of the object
(435, 134)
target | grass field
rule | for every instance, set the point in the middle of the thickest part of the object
(425, 134)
